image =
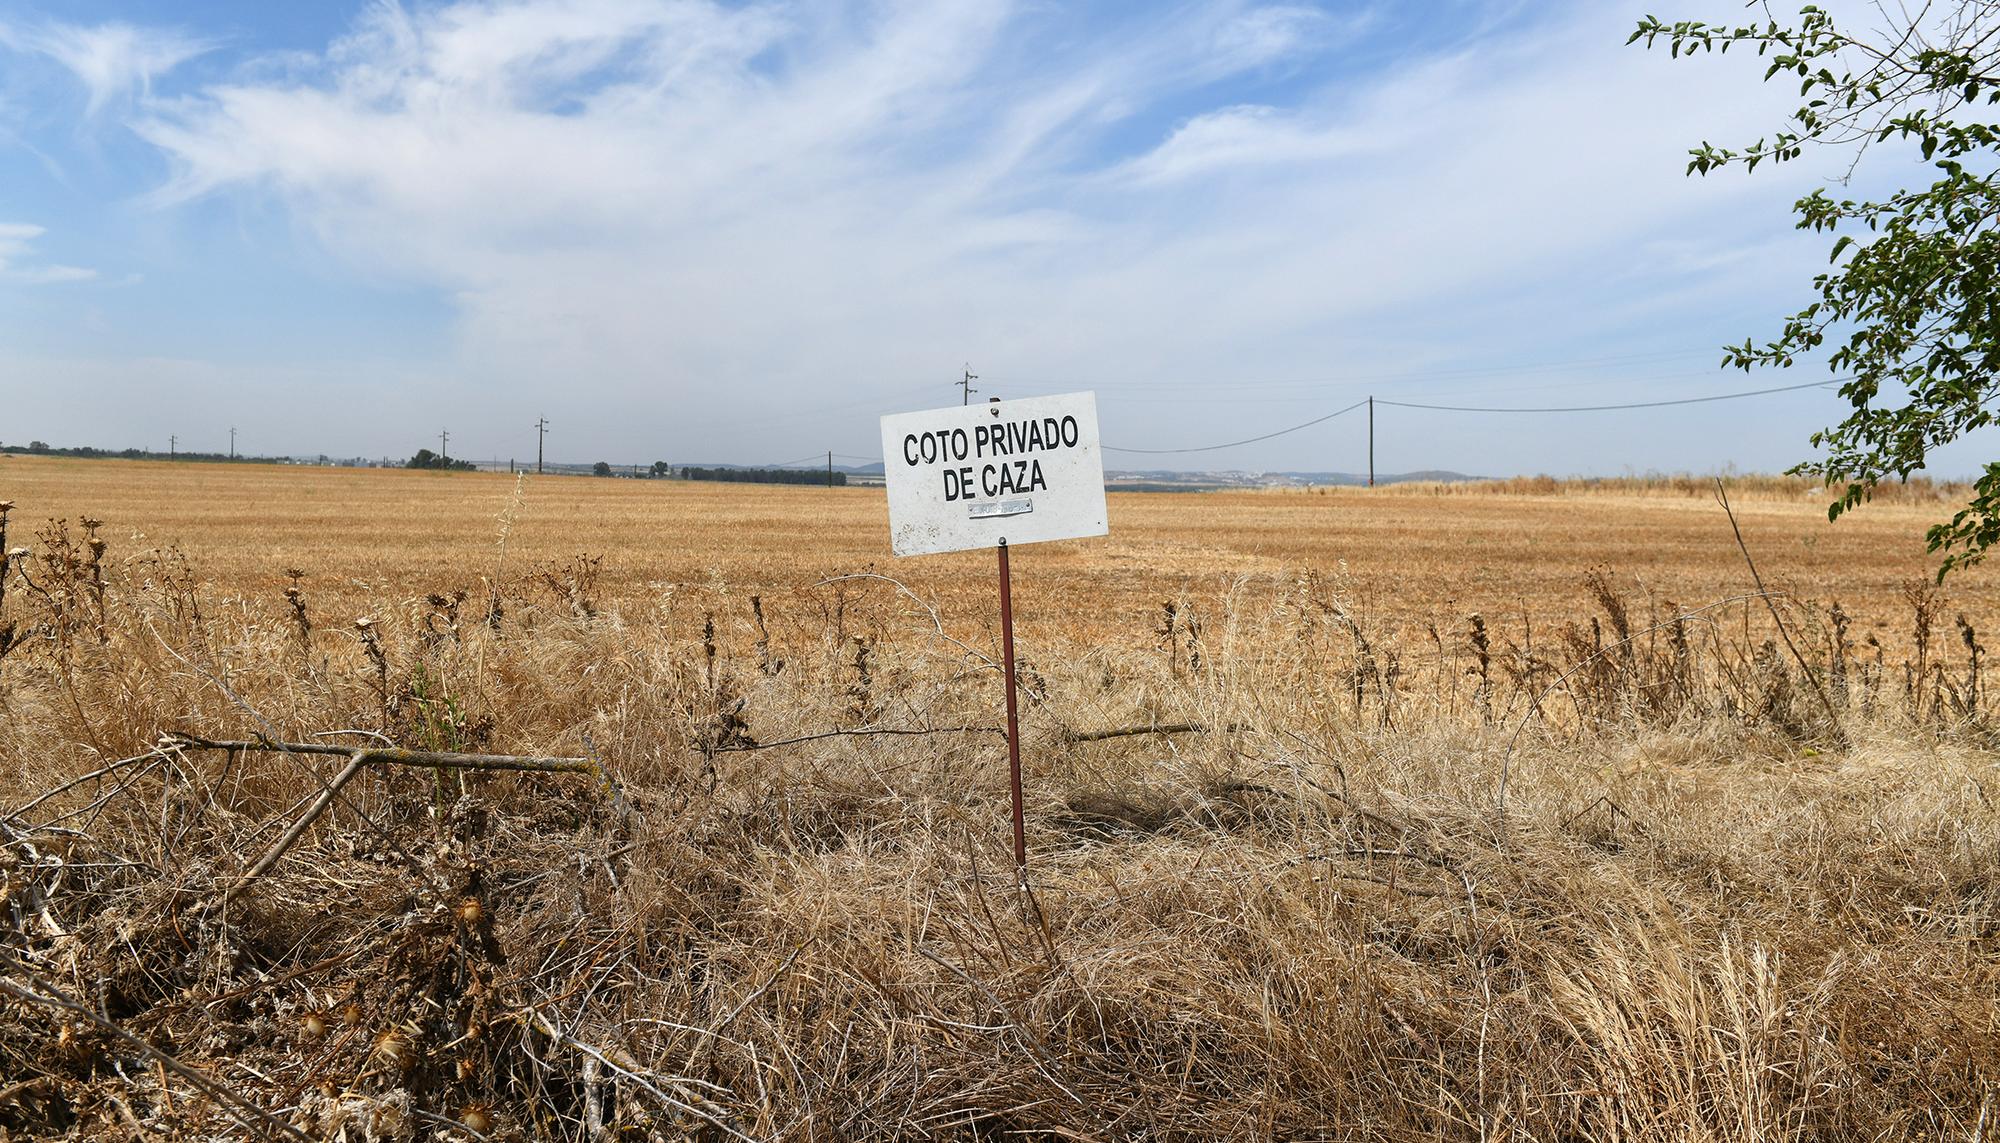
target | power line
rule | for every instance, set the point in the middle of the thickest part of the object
(1363, 403)
(789, 463)
(1609, 408)
(1248, 440)
(1491, 409)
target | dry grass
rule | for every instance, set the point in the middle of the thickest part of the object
(1708, 910)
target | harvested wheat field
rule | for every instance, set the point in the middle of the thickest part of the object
(1414, 813)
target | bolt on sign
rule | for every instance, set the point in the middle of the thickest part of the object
(992, 476)
(1007, 472)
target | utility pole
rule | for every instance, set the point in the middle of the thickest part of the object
(965, 384)
(541, 431)
(1371, 441)
(444, 457)
(232, 442)
(173, 442)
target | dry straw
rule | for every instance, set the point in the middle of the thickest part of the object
(1270, 895)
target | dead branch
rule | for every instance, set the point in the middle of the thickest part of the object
(357, 759)
(1155, 728)
(305, 821)
(268, 738)
(397, 756)
(862, 732)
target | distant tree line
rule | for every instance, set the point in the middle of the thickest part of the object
(425, 458)
(763, 475)
(44, 448)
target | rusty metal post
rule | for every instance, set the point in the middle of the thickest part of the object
(1013, 716)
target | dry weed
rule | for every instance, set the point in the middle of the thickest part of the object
(1271, 894)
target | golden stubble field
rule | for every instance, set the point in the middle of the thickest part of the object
(1406, 555)
(1411, 814)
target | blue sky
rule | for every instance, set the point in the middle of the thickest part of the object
(741, 232)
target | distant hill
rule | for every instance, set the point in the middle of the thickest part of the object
(1434, 475)
(874, 469)
(1173, 480)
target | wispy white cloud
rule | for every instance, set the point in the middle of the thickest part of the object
(1259, 36)
(16, 245)
(711, 207)
(114, 61)
(1238, 139)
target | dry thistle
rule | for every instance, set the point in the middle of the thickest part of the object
(1169, 641)
(765, 662)
(708, 647)
(395, 1049)
(476, 1117)
(371, 642)
(861, 692)
(1973, 650)
(441, 621)
(6, 506)
(1192, 626)
(1841, 645)
(96, 546)
(300, 622)
(1482, 657)
(7, 555)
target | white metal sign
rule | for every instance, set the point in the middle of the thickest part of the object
(977, 476)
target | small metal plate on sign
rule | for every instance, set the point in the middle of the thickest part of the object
(992, 508)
